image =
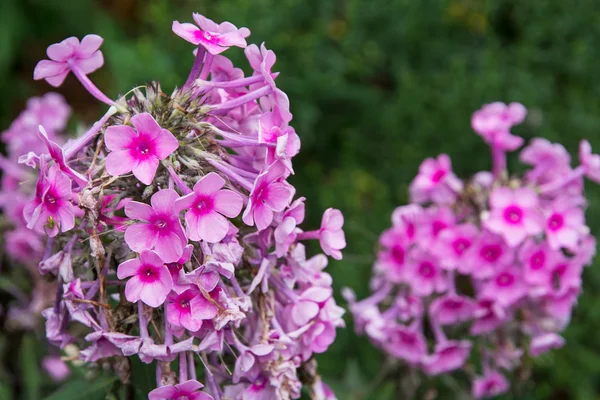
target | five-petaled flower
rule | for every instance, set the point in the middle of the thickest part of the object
(149, 279)
(215, 38)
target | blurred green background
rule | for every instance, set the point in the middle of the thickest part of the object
(375, 87)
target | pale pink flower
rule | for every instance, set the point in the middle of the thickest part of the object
(565, 224)
(453, 243)
(262, 60)
(159, 228)
(51, 211)
(268, 195)
(434, 222)
(207, 206)
(488, 316)
(564, 275)
(547, 158)
(493, 383)
(589, 161)
(189, 390)
(425, 274)
(493, 122)
(540, 344)
(514, 214)
(391, 259)
(149, 279)
(140, 149)
(215, 38)
(448, 356)
(536, 260)
(487, 255)
(68, 55)
(405, 343)
(331, 235)
(409, 218)
(435, 182)
(452, 309)
(189, 309)
(506, 287)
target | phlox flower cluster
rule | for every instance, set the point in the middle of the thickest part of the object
(488, 268)
(173, 232)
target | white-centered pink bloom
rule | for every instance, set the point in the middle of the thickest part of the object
(215, 38)
(514, 214)
(208, 205)
(138, 150)
(158, 226)
(149, 279)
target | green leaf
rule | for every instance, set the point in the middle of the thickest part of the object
(143, 378)
(29, 368)
(5, 392)
(83, 389)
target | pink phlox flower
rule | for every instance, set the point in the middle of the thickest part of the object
(494, 121)
(546, 158)
(436, 220)
(586, 251)
(453, 243)
(545, 342)
(189, 390)
(391, 258)
(564, 275)
(138, 150)
(308, 304)
(514, 214)
(589, 161)
(424, 273)
(207, 206)
(491, 384)
(565, 224)
(488, 316)
(487, 255)
(285, 233)
(269, 194)
(58, 155)
(56, 368)
(215, 38)
(222, 70)
(451, 309)
(149, 351)
(248, 361)
(273, 128)
(180, 281)
(51, 210)
(109, 344)
(149, 279)
(50, 110)
(506, 287)
(410, 218)
(560, 305)
(67, 55)
(159, 228)
(55, 327)
(262, 61)
(536, 260)
(331, 234)
(448, 356)
(408, 307)
(406, 343)
(189, 309)
(435, 182)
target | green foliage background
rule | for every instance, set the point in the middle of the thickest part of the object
(375, 87)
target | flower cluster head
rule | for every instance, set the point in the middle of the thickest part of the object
(488, 268)
(170, 227)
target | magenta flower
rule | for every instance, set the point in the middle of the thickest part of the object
(488, 316)
(208, 206)
(537, 259)
(435, 182)
(452, 309)
(268, 195)
(563, 276)
(454, 243)
(493, 383)
(140, 149)
(448, 356)
(149, 279)
(565, 223)
(506, 287)
(189, 390)
(545, 342)
(514, 214)
(51, 211)
(262, 60)
(409, 219)
(189, 309)
(425, 275)
(159, 228)
(487, 255)
(435, 220)
(493, 122)
(215, 38)
(391, 259)
(331, 235)
(70, 55)
(405, 343)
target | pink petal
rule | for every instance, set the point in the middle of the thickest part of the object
(165, 144)
(133, 289)
(228, 203)
(336, 239)
(162, 393)
(139, 211)
(154, 294)
(186, 31)
(120, 163)
(209, 184)
(151, 258)
(527, 197)
(317, 294)
(145, 170)
(128, 268)
(169, 247)
(205, 24)
(67, 217)
(501, 197)
(163, 201)
(192, 222)
(263, 216)
(90, 64)
(58, 80)
(145, 123)
(304, 311)
(119, 137)
(279, 196)
(140, 237)
(190, 386)
(202, 308)
(46, 68)
(185, 202)
(333, 219)
(89, 44)
(212, 227)
(64, 50)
